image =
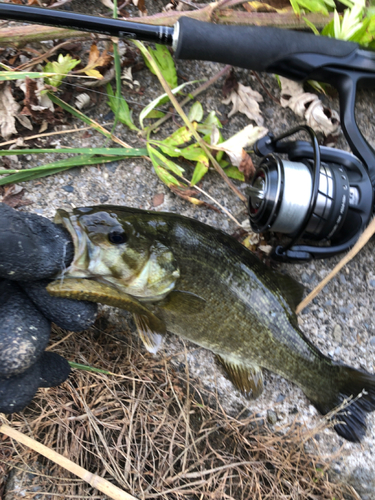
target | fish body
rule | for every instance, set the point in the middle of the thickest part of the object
(211, 290)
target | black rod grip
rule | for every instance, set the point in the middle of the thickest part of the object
(252, 47)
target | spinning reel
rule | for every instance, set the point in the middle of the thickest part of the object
(319, 193)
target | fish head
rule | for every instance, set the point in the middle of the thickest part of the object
(118, 247)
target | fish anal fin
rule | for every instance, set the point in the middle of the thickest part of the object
(248, 379)
(151, 339)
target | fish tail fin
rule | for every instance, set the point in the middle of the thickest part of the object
(355, 386)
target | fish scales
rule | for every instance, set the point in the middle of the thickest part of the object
(177, 274)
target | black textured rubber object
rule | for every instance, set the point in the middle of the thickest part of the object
(73, 315)
(24, 331)
(17, 392)
(257, 48)
(54, 369)
(31, 247)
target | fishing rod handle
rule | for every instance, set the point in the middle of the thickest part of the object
(254, 47)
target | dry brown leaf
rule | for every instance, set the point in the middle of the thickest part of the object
(13, 196)
(246, 166)
(141, 6)
(308, 106)
(36, 105)
(245, 100)
(96, 60)
(230, 84)
(9, 111)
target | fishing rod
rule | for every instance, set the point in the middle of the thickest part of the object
(319, 194)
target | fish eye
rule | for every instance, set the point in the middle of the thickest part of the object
(117, 238)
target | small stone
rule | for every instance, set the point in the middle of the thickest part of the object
(68, 188)
(280, 398)
(271, 417)
(337, 333)
(305, 277)
(342, 279)
(158, 199)
(112, 166)
(372, 341)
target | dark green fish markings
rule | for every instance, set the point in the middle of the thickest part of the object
(177, 274)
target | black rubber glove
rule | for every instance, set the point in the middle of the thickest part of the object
(32, 251)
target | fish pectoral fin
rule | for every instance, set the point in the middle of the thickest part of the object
(183, 302)
(150, 327)
(151, 338)
(247, 379)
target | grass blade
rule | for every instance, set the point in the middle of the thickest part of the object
(56, 167)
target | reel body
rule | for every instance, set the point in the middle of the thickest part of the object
(320, 194)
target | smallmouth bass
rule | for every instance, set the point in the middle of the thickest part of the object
(180, 275)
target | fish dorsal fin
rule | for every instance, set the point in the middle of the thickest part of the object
(290, 289)
(94, 291)
(183, 302)
(247, 379)
(151, 339)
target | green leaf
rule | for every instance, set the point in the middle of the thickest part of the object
(179, 137)
(234, 173)
(120, 108)
(200, 170)
(78, 114)
(311, 26)
(156, 102)
(164, 60)
(295, 7)
(159, 163)
(314, 6)
(20, 75)
(359, 35)
(196, 112)
(329, 29)
(155, 114)
(63, 65)
(209, 123)
(194, 153)
(159, 159)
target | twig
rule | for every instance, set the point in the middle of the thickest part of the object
(189, 97)
(18, 36)
(366, 235)
(274, 99)
(214, 201)
(95, 481)
(48, 134)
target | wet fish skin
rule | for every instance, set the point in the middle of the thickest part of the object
(240, 310)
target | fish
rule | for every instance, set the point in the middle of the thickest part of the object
(180, 275)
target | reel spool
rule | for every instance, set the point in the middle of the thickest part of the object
(320, 194)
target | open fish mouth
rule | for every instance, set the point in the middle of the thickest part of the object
(148, 276)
